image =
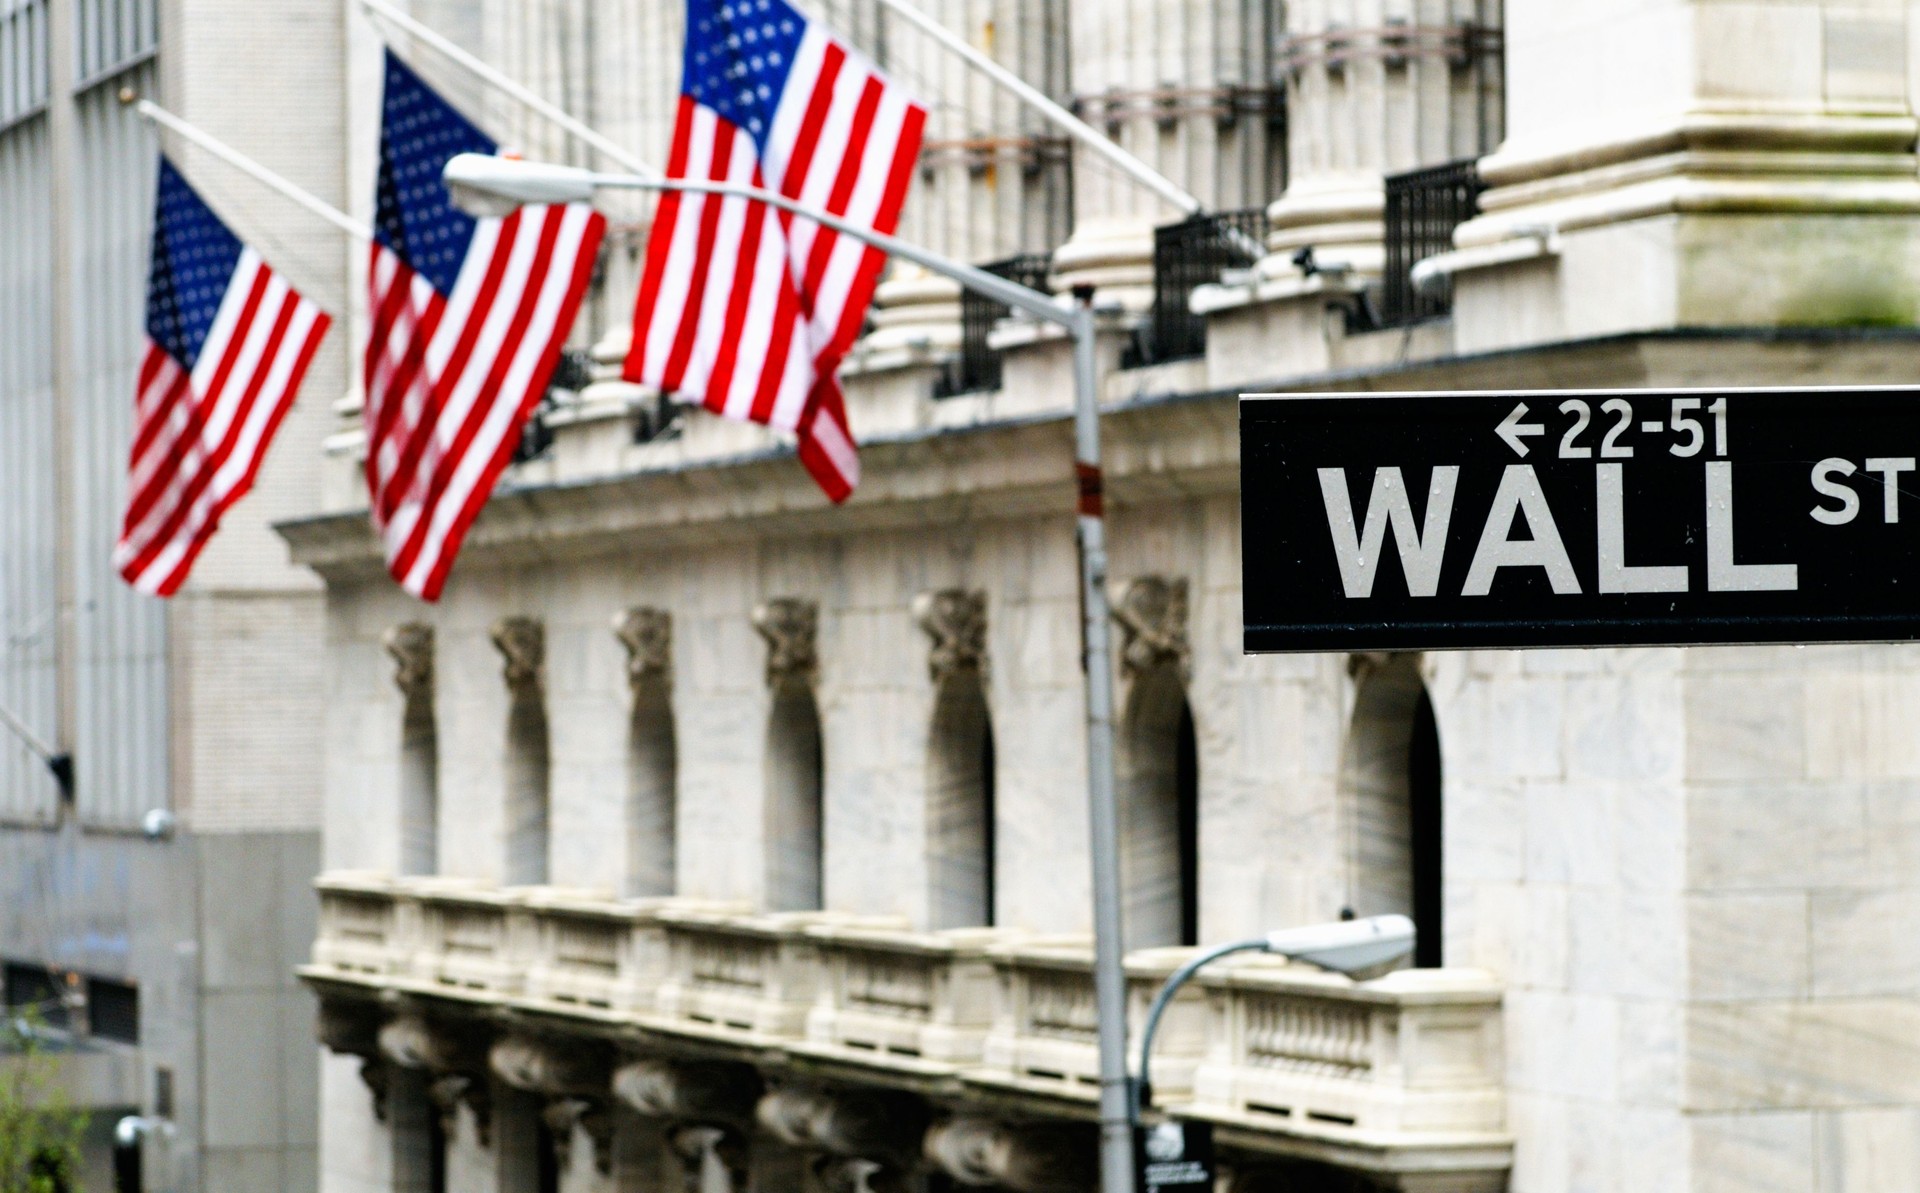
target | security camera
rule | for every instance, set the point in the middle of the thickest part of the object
(158, 824)
(1355, 948)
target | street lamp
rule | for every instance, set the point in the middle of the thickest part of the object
(493, 186)
(1356, 948)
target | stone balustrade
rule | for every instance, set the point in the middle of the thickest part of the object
(1415, 1053)
(1264, 1048)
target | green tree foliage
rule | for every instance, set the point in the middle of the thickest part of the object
(40, 1129)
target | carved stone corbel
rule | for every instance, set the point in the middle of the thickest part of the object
(791, 628)
(648, 636)
(522, 643)
(956, 621)
(694, 1144)
(549, 1066)
(413, 1041)
(348, 1026)
(885, 1128)
(591, 1115)
(717, 1093)
(411, 648)
(454, 1090)
(1028, 1158)
(378, 1079)
(1153, 621)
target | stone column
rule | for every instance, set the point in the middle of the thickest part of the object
(992, 180)
(1758, 170)
(1186, 86)
(1375, 87)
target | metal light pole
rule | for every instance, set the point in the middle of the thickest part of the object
(491, 185)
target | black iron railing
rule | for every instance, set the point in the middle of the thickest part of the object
(977, 368)
(1186, 256)
(572, 373)
(1423, 209)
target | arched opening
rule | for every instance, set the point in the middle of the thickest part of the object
(960, 811)
(794, 841)
(1158, 778)
(528, 772)
(419, 787)
(1391, 785)
(651, 763)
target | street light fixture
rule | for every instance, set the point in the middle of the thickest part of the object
(1356, 948)
(493, 186)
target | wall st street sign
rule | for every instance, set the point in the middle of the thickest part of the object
(1568, 518)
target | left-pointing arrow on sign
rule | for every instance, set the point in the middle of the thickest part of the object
(1512, 429)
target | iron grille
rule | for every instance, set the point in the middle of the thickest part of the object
(113, 1011)
(977, 368)
(1423, 209)
(1186, 256)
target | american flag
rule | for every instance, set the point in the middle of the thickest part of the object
(227, 344)
(743, 309)
(467, 319)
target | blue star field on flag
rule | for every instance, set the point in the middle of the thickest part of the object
(414, 213)
(738, 56)
(194, 256)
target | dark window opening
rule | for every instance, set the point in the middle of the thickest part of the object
(36, 988)
(1187, 788)
(1424, 823)
(113, 1011)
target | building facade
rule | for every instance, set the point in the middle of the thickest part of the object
(708, 837)
(152, 909)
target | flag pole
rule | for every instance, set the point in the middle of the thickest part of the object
(1036, 99)
(615, 152)
(246, 165)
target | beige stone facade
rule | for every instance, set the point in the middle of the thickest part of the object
(768, 869)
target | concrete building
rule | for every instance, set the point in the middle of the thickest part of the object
(154, 911)
(708, 837)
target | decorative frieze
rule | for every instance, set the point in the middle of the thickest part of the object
(557, 1066)
(1153, 621)
(884, 1127)
(955, 620)
(705, 1091)
(648, 636)
(411, 648)
(791, 628)
(522, 643)
(1028, 1158)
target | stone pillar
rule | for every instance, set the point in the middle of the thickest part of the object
(1757, 171)
(993, 178)
(1185, 85)
(1376, 87)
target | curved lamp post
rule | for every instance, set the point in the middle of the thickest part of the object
(494, 186)
(1351, 947)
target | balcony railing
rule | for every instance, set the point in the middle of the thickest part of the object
(1261, 1046)
(977, 368)
(1423, 209)
(1192, 253)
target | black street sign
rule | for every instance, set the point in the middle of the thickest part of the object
(1568, 518)
(1174, 1156)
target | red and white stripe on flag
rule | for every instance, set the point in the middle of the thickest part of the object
(451, 379)
(199, 436)
(750, 311)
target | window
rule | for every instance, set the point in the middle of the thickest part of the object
(1158, 780)
(1391, 794)
(522, 644)
(113, 1011)
(794, 840)
(960, 811)
(651, 768)
(412, 649)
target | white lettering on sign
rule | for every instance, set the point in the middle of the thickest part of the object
(1723, 574)
(1826, 486)
(1890, 469)
(1520, 493)
(1616, 575)
(1420, 547)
